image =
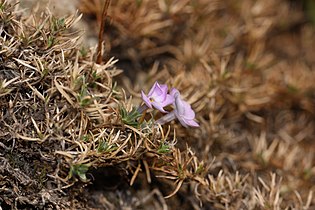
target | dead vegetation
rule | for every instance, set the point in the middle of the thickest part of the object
(246, 68)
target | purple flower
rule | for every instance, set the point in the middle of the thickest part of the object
(182, 111)
(157, 97)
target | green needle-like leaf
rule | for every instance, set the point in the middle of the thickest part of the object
(130, 118)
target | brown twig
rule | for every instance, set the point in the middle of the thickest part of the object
(101, 32)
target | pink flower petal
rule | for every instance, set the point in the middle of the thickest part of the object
(168, 100)
(159, 107)
(192, 123)
(179, 105)
(183, 110)
(189, 113)
(182, 121)
(164, 89)
(146, 99)
(158, 97)
(153, 89)
(173, 92)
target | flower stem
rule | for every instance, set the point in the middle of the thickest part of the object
(166, 118)
(142, 117)
(142, 108)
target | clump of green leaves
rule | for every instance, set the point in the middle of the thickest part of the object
(79, 170)
(104, 146)
(164, 148)
(50, 41)
(130, 118)
(86, 138)
(83, 51)
(57, 24)
(84, 97)
(200, 169)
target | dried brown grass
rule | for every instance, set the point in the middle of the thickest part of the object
(60, 118)
(253, 98)
(242, 67)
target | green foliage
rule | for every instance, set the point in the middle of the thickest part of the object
(200, 169)
(83, 97)
(79, 170)
(86, 138)
(115, 91)
(251, 66)
(95, 76)
(130, 118)
(50, 41)
(307, 174)
(104, 146)
(58, 24)
(138, 2)
(310, 10)
(83, 51)
(164, 148)
(292, 89)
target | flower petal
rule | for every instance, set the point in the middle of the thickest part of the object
(153, 88)
(157, 93)
(182, 121)
(173, 92)
(183, 110)
(189, 113)
(191, 123)
(164, 89)
(158, 106)
(168, 100)
(160, 97)
(146, 100)
(179, 105)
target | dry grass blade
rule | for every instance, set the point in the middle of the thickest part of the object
(101, 32)
(62, 91)
(134, 176)
(179, 184)
(245, 67)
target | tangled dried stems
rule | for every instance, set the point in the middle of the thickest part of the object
(246, 70)
(60, 116)
(60, 110)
